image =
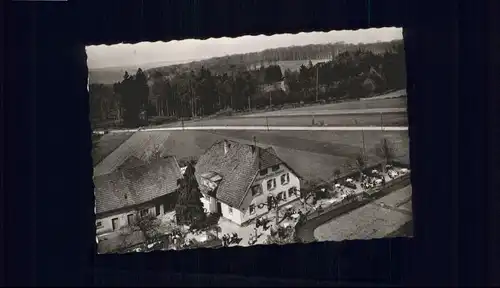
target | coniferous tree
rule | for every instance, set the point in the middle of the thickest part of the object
(130, 101)
(189, 209)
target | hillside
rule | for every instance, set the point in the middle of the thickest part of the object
(108, 75)
(286, 57)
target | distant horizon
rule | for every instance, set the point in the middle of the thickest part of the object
(144, 54)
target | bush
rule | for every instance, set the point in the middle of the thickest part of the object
(350, 185)
(207, 222)
(319, 194)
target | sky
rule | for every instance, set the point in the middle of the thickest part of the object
(175, 52)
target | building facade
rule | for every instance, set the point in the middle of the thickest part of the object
(132, 191)
(236, 179)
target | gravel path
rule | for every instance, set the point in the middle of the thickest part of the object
(307, 232)
(375, 220)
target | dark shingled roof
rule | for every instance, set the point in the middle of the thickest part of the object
(238, 168)
(139, 183)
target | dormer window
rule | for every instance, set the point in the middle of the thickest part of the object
(275, 168)
(263, 172)
(256, 190)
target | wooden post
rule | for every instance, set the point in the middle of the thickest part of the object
(317, 82)
(363, 136)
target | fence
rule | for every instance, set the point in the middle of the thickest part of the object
(405, 179)
(342, 208)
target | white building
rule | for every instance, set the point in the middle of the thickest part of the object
(236, 180)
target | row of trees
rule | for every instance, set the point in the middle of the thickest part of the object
(272, 56)
(203, 92)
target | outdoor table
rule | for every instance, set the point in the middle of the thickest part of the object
(348, 180)
(337, 185)
(290, 206)
(295, 216)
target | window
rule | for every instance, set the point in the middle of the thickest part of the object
(292, 191)
(281, 196)
(271, 184)
(256, 190)
(263, 172)
(275, 168)
(130, 219)
(230, 210)
(114, 223)
(144, 212)
(251, 209)
(98, 224)
(285, 179)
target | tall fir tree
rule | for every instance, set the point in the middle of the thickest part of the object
(189, 209)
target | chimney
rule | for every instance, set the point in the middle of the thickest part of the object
(226, 147)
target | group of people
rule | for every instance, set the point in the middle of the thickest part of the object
(254, 237)
(371, 182)
(392, 174)
(228, 239)
(262, 222)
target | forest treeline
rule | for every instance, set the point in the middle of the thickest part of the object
(212, 88)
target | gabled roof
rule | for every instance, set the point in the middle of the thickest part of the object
(238, 168)
(131, 163)
(136, 145)
(130, 186)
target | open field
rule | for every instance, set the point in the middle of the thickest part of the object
(370, 112)
(350, 105)
(290, 112)
(404, 231)
(397, 199)
(334, 143)
(394, 94)
(313, 154)
(368, 222)
(352, 113)
(407, 206)
(374, 119)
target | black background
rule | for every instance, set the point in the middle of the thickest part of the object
(48, 210)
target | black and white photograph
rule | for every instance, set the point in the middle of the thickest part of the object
(254, 140)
